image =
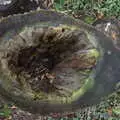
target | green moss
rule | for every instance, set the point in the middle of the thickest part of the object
(88, 84)
(116, 111)
(5, 112)
(94, 53)
(40, 96)
(53, 98)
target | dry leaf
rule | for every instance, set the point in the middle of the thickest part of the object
(114, 35)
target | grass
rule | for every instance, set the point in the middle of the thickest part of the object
(94, 8)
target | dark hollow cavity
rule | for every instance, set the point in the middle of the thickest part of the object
(36, 63)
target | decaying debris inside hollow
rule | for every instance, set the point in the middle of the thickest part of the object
(49, 59)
